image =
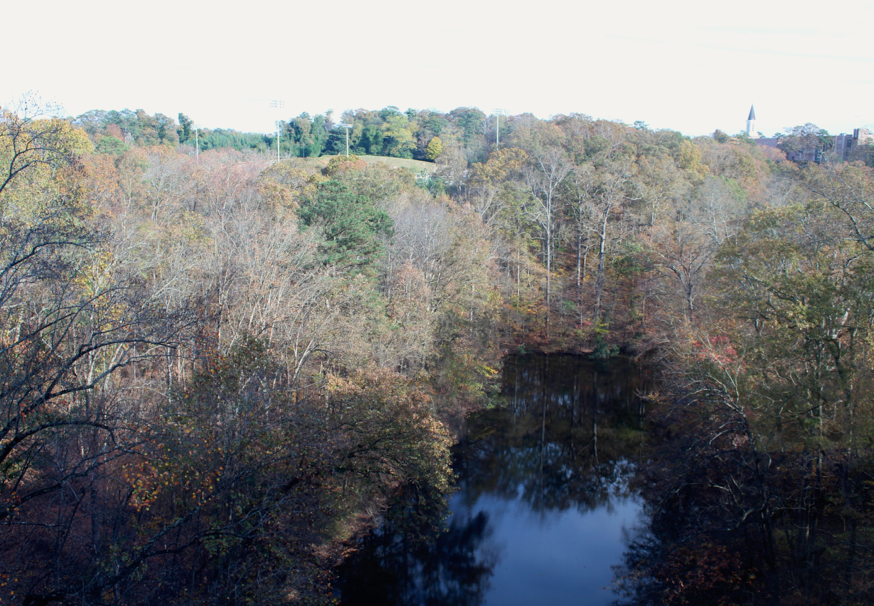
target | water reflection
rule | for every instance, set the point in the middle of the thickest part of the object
(542, 500)
(413, 558)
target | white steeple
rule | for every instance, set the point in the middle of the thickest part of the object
(751, 123)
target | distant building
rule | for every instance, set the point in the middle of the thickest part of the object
(803, 155)
(844, 144)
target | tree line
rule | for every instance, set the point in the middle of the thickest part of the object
(421, 135)
(424, 135)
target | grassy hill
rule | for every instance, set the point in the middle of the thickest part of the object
(417, 166)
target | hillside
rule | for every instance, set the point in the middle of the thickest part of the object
(417, 166)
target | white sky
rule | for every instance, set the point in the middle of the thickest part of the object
(673, 64)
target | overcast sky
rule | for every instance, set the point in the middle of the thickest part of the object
(673, 64)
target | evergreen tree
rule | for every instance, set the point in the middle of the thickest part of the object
(352, 226)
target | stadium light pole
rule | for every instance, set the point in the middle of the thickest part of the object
(196, 143)
(347, 127)
(498, 114)
(277, 105)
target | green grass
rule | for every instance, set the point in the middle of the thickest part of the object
(417, 166)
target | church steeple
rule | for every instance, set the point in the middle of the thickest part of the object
(751, 123)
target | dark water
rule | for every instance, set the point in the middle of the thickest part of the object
(542, 512)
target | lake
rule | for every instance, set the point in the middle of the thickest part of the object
(543, 510)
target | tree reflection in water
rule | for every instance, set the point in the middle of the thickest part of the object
(417, 557)
(566, 437)
(563, 441)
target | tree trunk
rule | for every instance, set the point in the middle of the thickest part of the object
(602, 253)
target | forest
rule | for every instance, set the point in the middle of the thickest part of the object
(215, 365)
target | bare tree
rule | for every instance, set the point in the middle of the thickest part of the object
(611, 189)
(547, 170)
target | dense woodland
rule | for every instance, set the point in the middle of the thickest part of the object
(214, 364)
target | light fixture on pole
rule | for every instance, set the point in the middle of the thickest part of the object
(498, 114)
(196, 142)
(347, 127)
(277, 105)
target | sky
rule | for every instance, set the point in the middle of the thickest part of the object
(682, 65)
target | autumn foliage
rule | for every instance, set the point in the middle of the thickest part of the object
(212, 362)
